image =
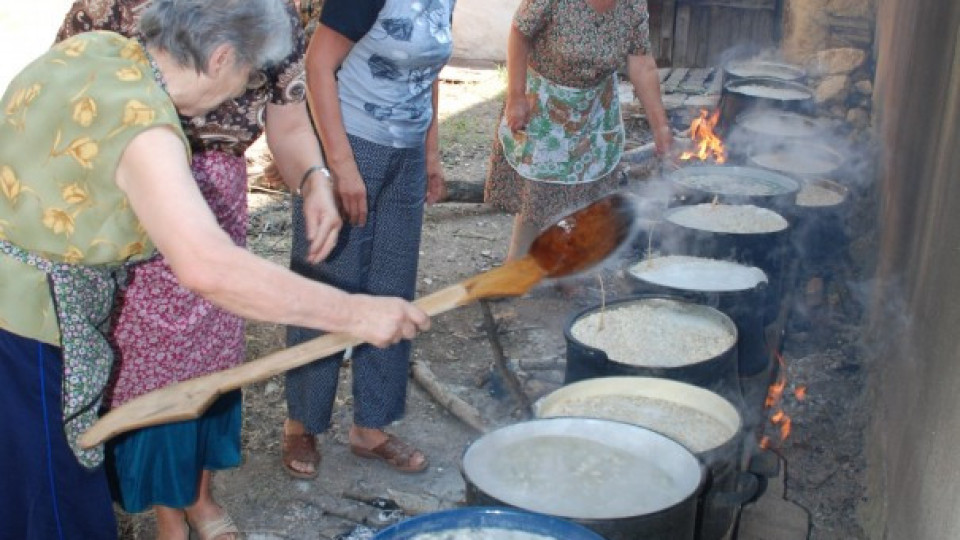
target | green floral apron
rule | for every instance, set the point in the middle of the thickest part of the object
(83, 297)
(575, 135)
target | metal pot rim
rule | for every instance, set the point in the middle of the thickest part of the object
(688, 473)
(721, 317)
(770, 82)
(740, 266)
(787, 185)
(677, 392)
(796, 72)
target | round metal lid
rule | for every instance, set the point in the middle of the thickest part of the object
(779, 124)
(769, 88)
(688, 273)
(734, 181)
(582, 468)
(765, 68)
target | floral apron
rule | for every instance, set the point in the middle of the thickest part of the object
(575, 135)
(83, 298)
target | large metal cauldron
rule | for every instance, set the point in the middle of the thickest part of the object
(801, 159)
(765, 128)
(819, 218)
(620, 480)
(704, 422)
(758, 93)
(737, 290)
(713, 367)
(771, 69)
(688, 230)
(733, 185)
(485, 523)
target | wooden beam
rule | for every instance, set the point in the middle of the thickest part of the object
(682, 34)
(673, 81)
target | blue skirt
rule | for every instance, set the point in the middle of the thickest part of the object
(161, 465)
(44, 491)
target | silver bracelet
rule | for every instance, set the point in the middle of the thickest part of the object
(306, 176)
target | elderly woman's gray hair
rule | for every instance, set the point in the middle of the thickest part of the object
(259, 31)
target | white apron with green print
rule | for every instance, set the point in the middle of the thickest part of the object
(575, 135)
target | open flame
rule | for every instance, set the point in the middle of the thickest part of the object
(707, 145)
(778, 417)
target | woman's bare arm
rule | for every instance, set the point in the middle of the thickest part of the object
(325, 53)
(155, 175)
(295, 149)
(642, 71)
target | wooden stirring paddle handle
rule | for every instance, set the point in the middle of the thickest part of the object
(188, 399)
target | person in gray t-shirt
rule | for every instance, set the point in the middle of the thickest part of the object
(372, 69)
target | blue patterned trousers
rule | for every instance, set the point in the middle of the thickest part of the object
(380, 259)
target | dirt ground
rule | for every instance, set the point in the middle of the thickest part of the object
(822, 353)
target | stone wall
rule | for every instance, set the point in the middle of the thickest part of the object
(834, 40)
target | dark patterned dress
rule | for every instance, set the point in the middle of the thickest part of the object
(163, 332)
(576, 46)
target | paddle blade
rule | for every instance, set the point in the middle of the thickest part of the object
(181, 401)
(586, 237)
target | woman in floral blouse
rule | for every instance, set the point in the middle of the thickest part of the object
(561, 133)
(95, 173)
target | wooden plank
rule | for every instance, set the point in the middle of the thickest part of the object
(715, 85)
(682, 34)
(655, 24)
(663, 73)
(694, 83)
(667, 33)
(700, 30)
(768, 5)
(673, 82)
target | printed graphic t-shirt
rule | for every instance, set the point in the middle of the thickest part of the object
(385, 81)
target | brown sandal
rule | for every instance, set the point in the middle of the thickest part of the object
(393, 452)
(301, 447)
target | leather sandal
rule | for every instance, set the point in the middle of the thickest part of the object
(302, 448)
(215, 528)
(395, 453)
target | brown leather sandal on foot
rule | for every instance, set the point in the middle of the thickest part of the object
(394, 453)
(302, 448)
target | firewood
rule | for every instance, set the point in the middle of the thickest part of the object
(459, 408)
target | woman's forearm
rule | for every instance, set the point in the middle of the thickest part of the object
(174, 214)
(642, 70)
(432, 141)
(324, 99)
(292, 142)
(518, 51)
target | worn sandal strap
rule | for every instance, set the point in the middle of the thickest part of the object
(218, 527)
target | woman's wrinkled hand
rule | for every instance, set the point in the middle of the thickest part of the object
(663, 139)
(383, 321)
(436, 180)
(518, 112)
(323, 221)
(352, 194)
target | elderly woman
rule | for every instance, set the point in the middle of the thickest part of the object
(561, 134)
(95, 173)
(189, 336)
(372, 68)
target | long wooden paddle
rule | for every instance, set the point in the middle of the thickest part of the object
(573, 244)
